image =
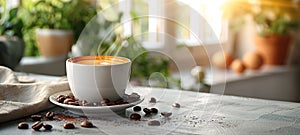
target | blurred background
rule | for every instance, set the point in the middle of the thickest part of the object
(251, 45)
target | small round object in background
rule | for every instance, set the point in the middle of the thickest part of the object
(222, 59)
(237, 66)
(252, 60)
(198, 73)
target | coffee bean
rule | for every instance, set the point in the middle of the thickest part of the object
(49, 115)
(147, 115)
(67, 100)
(166, 114)
(47, 127)
(60, 96)
(152, 100)
(37, 125)
(86, 124)
(61, 99)
(69, 126)
(23, 125)
(177, 105)
(111, 103)
(120, 101)
(154, 110)
(154, 123)
(147, 111)
(137, 108)
(73, 103)
(135, 116)
(36, 117)
(70, 95)
(104, 101)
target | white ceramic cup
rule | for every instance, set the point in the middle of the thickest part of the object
(92, 78)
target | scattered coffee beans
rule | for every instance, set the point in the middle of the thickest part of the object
(69, 126)
(147, 111)
(154, 123)
(135, 116)
(86, 124)
(36, 117)
(37, 125)
(152, 100)
(137, 108)
(166, 114)
(23, 125)
(154, 110)
(47, 127)
(49, 115)
(177, 105)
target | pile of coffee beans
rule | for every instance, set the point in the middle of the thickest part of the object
(71, 100)
(38, 124)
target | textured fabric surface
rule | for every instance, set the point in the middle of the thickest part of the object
(22, 99)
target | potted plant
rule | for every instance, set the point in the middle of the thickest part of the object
(11, 37)
(274, 19)
(57, 23)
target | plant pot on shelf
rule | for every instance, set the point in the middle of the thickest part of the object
(54, 42)
(274, 48)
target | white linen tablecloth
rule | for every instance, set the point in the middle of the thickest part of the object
(19, 99)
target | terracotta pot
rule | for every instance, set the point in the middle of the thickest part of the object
(274, 49)
(54, 42)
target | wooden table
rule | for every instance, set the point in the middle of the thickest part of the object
(200, 113)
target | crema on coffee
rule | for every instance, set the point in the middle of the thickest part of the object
(99, 60)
